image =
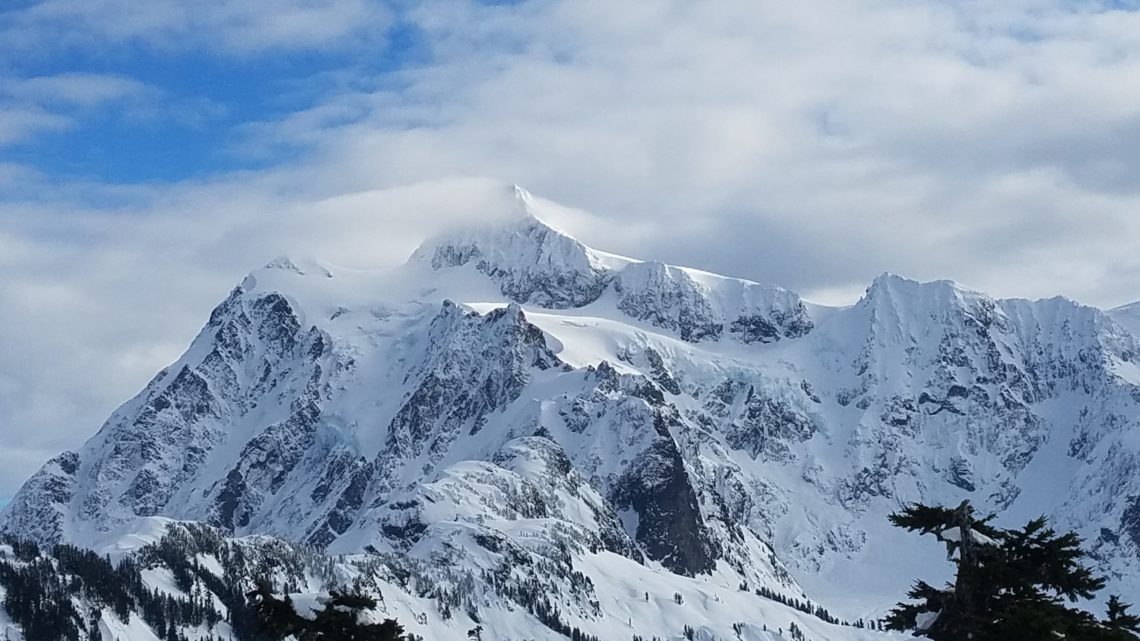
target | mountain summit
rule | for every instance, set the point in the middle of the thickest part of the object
(518, 411)
(532, 262)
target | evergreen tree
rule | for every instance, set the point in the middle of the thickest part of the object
(339, 620)
(1010, 584)
(275, 617)
(1118, 617)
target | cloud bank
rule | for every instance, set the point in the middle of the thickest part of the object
(812, 144)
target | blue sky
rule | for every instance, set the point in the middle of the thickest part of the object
(151, 153)
(183, 113)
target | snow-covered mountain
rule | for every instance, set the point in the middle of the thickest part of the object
(514, 407)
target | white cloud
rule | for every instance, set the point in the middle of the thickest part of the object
(73, 89)
(834, 139)
(36, 105)
(813, 144)
(215, 26)
(19, 122)
(31, 106)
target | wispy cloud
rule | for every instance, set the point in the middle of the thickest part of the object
(90, 124)
(19, 123)
(211, 26)
(72, 89)
(30, 106)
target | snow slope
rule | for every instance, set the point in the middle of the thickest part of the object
(1128, 316)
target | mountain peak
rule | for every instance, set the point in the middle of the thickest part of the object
(501, 220)
(532, 261)
(301, 267)
(901, 309)
(515, 206)
(892, 289)
(283, 272)
(893, 282)
(515, 238)
(521, 194)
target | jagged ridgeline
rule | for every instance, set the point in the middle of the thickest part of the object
(574, 436)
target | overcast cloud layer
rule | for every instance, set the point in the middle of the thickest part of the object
(811, 144)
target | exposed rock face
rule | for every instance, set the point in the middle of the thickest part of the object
(668, 297)
(766, 426)
(41, 505)
(1130, 519)
(475, 366)
(670, 525)
(672, 298)
(679, 419)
